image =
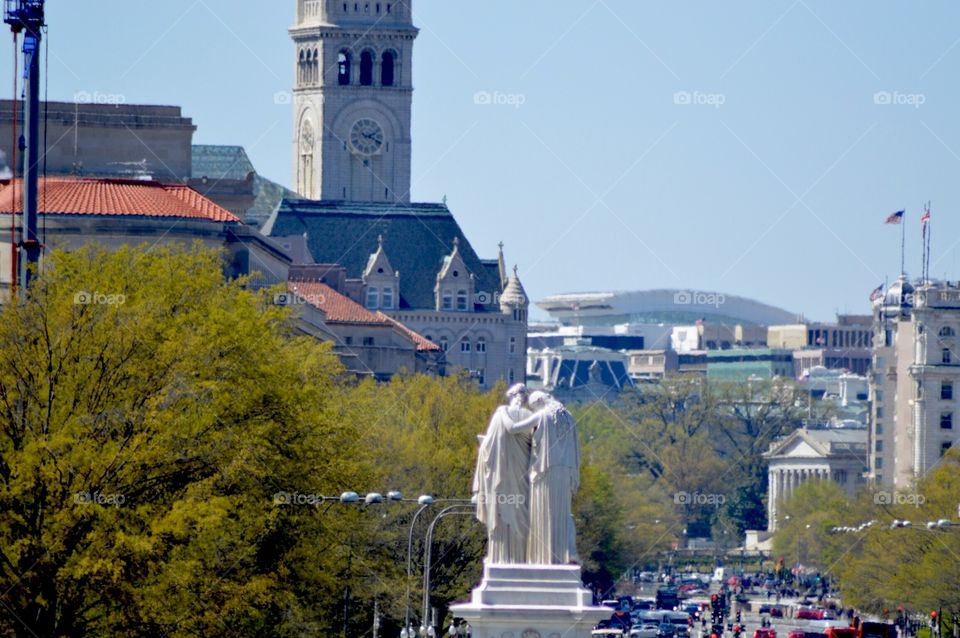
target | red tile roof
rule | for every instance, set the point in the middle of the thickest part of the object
(338, 308)
(75, 196)
(341, 309)
(423, 344)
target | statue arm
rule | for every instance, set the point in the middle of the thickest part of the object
(527, 424)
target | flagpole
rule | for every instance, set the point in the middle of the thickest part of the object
(903, 243)
(923, 246)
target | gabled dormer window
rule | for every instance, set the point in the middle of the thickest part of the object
(447, 300)
(373, 298)
(462, 300)
(387, 299)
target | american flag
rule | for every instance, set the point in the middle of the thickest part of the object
(877, 293)
(895, 218)
(925, 217)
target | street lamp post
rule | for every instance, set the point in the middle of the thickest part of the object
(460, 508)
(425, 501)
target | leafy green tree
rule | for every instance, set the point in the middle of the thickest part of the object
(149, 412)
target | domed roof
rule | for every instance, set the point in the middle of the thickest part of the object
(514, 294)
(899, 294)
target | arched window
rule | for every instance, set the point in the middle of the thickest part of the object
(387, 298)
(947, 331)
(308, 68)
(945, 355)
(366, 68)
(447, 300)
(302, 67)
(387, 68)
(481, 344)
(343, 68)
(444, 343)
(462, 300)
(315, 70)
(373, 298)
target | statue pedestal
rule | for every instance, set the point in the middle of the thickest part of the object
(531, 601)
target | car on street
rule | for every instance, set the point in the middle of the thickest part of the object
(645, 630)
(806, 613)
(765, 632)
(607, 632)
(666, 630)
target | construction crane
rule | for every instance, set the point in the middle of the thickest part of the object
(26, 16)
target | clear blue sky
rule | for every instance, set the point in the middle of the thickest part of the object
(599, 179)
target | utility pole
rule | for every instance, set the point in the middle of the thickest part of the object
(27, 16)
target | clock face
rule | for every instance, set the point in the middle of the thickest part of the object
(366, 136)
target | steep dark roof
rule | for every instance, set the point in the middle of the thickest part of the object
(416, 239)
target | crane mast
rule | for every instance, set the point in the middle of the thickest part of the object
(26, 16)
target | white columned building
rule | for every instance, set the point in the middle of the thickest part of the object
(838, 455)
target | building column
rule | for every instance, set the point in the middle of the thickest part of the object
(771, 500)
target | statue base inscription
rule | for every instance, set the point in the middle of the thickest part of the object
(531, 601)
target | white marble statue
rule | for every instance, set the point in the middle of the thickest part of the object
(501, 483)
(554, 477)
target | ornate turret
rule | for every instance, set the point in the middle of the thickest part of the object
(514, 300)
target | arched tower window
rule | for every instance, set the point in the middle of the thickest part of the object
(387, 68)
(308, 68)
(315, 70)
(343, 68)
(366, 68)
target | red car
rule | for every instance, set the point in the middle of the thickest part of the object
(765, 632)
(806, 613)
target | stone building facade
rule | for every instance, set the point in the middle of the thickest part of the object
(915, 382)
(838, 455)
(352, 98)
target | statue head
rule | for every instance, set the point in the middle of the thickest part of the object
(538, 399)
(517, 389)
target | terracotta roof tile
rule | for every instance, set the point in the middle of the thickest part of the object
(73, 196)
(337, 307)
(423, 344)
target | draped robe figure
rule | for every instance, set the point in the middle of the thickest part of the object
(502, 486)
(554, 477)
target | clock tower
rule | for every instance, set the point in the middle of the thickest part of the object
(352, 99)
